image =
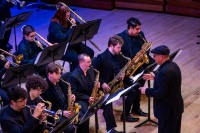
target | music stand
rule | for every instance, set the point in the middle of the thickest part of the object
(17, 75)
(93, 110)
(16, 21)
(64, 123)
(51, 54)
(150, 68)
(83, 32)
(2, 31)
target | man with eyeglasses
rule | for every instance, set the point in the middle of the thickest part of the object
(16, 117)
(168, 101)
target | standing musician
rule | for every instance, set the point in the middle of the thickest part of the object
(60, 31)
(82, 81)
(16, 117)
(133, 40)
(109, 63)
(57, 93)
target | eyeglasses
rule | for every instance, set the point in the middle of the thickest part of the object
(22, 100)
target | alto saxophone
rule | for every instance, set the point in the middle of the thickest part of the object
(139, 59)
(73, 107)
(117, 83)
(96, 93)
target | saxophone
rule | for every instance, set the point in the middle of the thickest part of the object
(116, 83)
(73, 107)
(96, 93)
(139, 59)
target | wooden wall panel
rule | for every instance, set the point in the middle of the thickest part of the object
(184, 7)
(150, 5)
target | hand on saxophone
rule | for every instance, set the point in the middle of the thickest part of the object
(105, 87)
(67, 113)
(73, 97)
(121, 76)
(91, 100)
(7, 65)
(38, 110)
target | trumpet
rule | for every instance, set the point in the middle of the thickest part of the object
(54, 114)
(59, 4)
(18, 59)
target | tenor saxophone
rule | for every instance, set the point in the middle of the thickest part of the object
(73, 107)
(96, 93)
(139, 59)
(117, 83)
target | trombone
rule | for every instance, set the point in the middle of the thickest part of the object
(18, 59)
(59, 4)
(48, 43)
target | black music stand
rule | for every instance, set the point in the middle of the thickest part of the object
(84, 32)
(51, 54)
(93, 110)
(2, 31)
(17, 75)
(116, 96)
(16, 21)
(150, 68)
(59, 127)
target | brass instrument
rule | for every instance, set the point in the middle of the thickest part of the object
(56, 115)
(117, 83)
(96, 93)
(73, 107)
(48, 43)
(18, 3)
(139, 59)
(59, 4)
(3, 58)
(18, 59)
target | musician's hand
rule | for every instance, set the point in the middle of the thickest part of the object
(38, 110)
(122, 75)
(73, 21)
(98, 85)
(143, 89)
(148, 76)
(7, 65)
(67, 113)
(91, 99)
(105, 87)
(43, 116)
(73, 97)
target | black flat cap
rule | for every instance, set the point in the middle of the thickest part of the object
(161, 50)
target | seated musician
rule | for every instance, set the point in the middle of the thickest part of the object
(82, 81)
(30, 48)
(16, 117)
(60, 31)
(57, 92)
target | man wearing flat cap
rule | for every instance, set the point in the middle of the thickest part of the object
(168, 101)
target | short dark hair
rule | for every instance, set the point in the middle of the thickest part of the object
(34, 81)
(82, 56)
(27, 29)
(16, 93)
(114, 40)
(133, 22)
(53, 67)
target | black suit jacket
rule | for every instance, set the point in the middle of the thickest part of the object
(80, 87)
(167, 91)
(19, 122)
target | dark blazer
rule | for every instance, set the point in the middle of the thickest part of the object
(167, 91)
(80, 87)
(106, 64)
(18, 122)
(59, 101)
